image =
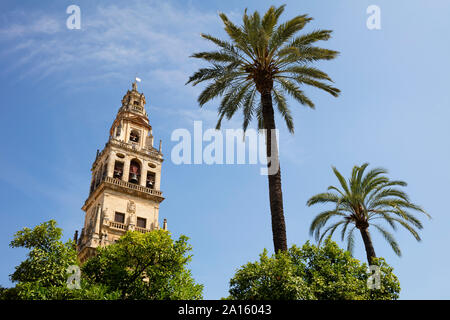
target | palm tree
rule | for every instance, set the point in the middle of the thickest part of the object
(365, 199)
(264, 60)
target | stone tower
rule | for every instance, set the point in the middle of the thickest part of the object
(126, 176)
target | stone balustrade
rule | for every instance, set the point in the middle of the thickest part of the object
(118, 225)
(124, 227)
(134, 147)
(133, 186)
(142, 230)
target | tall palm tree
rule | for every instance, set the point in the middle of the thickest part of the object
(264, 60)
(362, 201)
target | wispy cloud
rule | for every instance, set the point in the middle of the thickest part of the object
(153, 39)
(32, 24)
(148, 37)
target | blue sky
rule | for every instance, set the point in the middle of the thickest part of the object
(61, 90)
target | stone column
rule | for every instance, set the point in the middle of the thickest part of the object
(110, 167)
(143, 175)
(157, 183)
(105, 217)
(131, 210)
(155, 216)
(126, 169)
(98, 215)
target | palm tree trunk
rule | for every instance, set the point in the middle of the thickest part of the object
(370, 251)
(275, 192)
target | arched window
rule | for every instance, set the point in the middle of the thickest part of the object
(118, 170)
(134, 136)
(150, 183)
(135, 172)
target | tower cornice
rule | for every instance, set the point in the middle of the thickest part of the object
(125, 188)
(153, 153)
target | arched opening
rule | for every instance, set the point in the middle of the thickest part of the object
(134, 135)
(118, 170)
(150, 182)
(135, 172)
(118, 130)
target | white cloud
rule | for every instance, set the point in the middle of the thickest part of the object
(151, 38)
(33, 24)
(146, 37)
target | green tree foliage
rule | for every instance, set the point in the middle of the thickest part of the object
(138, 266)
(43, 275)
(312, 272)
(48, 258)
(363, 202)
(145, 266)
(36, 291)
(262, 63)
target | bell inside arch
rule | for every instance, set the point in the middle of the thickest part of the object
(133, 178)
(134, 172)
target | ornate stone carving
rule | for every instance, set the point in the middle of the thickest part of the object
(105, 217)
(131, 207)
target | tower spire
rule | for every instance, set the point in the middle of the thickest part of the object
(136, 80)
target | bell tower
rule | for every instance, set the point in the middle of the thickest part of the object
(126, 177)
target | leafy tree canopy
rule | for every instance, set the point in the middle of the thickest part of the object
(43, 274)
(145, 266)
(48, 258)
(138, 266)
(312, 272)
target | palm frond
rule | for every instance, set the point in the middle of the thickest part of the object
(236, 34)
(321, 219)
(217, 71)
(216, 57)
(248, 108)
(295, 92)
(270, 19)
(318, 84)
(341, 180)
(351, 240)
(281, 103)
(305, 71)
(323, 198)
(372, 174)
(390, 239)
(311, 37)
(286, 30)
(330, 230)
